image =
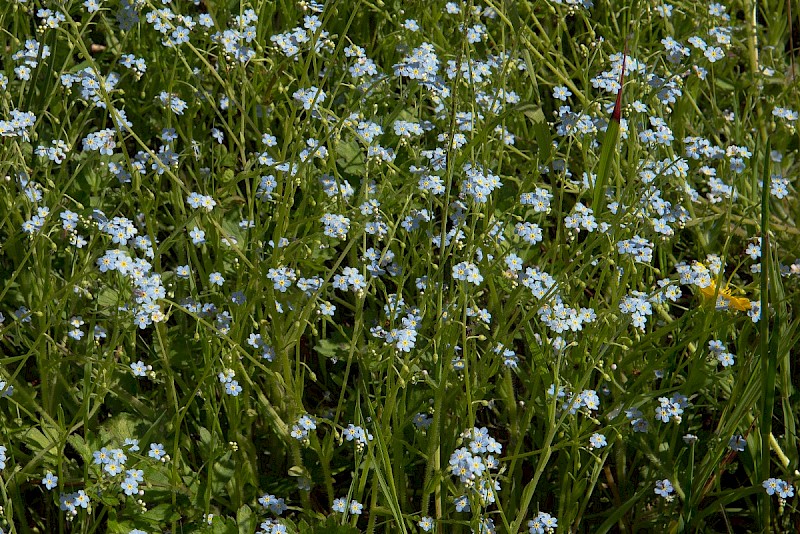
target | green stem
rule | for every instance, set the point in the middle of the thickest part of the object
(768, 363)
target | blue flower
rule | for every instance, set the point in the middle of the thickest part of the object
(50, 481)
(561, 93)
(233, 388)
(130, 486)
(198, 236)
(462, 504)
(339, 505)
(468, 272)
(157, 451)
(597, 441)
(737, 443)
(139, 368)
(771, 485)
(664, 488)
(310, 97)
(514, 262)
(103, 456)
(785, 490)
(356, 507)
(726, 359)
(81, 499)
(411, 25)
(714, 53)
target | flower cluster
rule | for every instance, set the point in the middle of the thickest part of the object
(310, 98)
(467, 271)
(56, 153)
(307, 37)
(265, 350)
(357, 434)
(473, 466)
(671, 408)
(281, 198)
(638, 306)
(587, 398)
(354, 508)
(30, 55)
(542, 523)
(639, 248)
(231, 386)
(335, 225)
(274, 504)
(70, 502)
(304, 425)
(783, 489)
(721, 353)
(18, 125)
(351, 279)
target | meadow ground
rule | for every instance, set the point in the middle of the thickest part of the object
(398, 266)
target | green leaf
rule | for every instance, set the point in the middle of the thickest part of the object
(544, 138)
(351, 158)
(245, 520)
(227, 176)
(620, 511)
(604, 166)
(119, 428)
(327, 348)
(107, 298)
(80, 447)
(163, 513)
(224, 526)
(38, 441)
(329, 527)
(108, 498)
(205, 437)
(223, 473)
(119, 527)
(298, 471)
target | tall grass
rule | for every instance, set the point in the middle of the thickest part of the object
(398, 266)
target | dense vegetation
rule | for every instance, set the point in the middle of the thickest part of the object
(398, 266)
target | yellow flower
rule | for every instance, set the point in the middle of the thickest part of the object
(724, 293)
